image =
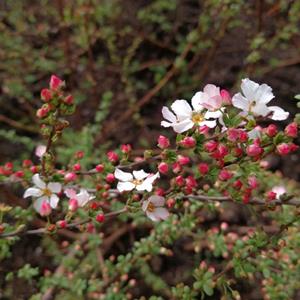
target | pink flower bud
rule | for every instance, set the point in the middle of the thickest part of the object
(170, 202)
(237, 151)
(226, 98)
(62, 223)
(69, 100)
(46, 95)
(293, 147)
(42, 112)
(271, 195)
(99, 168)
(73, 204)
(271, 130)
(45, 209)
(283, 149)
(179, 180)
(163, 142)
(254, 150)
(126, 148)
(191, 182)
(243, 136)
(77, 167)
(237, 184)
(26, 163)
(252, 181)
(112, 156)
(163, 168)
(70, 177)
(34, 169)
(210, 146)
(90, 228)
(225, 175)
(79, 154)
(233, 134)
(100, 218)
(19, 174)
(188, 142)
(183, 160)
(291, 130)
(176, 167)
(160, 192)
(203, 168)
(110, 178)
(55, 83)
(203, 129)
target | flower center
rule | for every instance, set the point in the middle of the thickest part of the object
(197, 117)
(151, 207)
(47, 192)
(252, 104)
(137, 181)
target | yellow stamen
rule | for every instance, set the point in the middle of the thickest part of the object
(47, 192)
(137, 181)
(151, 207)
(197, 118)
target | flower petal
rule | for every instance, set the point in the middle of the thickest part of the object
(210, 124)
(161, 213)
(183, 126)
(182, 109)
(38, 203)
(157, 200)
(166, 124)
(54, 187)
(70, 193)
(213, 114)
(34, 192)
(38, 181)
(198, 100)
(123, 176)
(83, 197)
(168, 115)
(249, 88)
(152, 216)
(278, 113)
(140, 175)
(53, 201)
(260, 109)
(125, 186)
(211, 90)
(264, 94)
(145, 204)
(239, 101)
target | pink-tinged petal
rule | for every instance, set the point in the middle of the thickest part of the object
(168, 115)
(260, 109)
(198, 101)
(152, 216)
(70, 193)
(249, 88)
(38, 203)
(182, 109)
(264, 94)
(38, 181)
(253, 134)
(278, 113)
(157, 200)
(161, 213)
(240, 102)
(211, 90)
(53, 201)
(183, 126)
(54, 187)
(123, 176)
(83, 198)
(145, 186)
(40, 150)
(210, 124)
(125, 186)
(140, 175)
(165, 124)
(145, 204)
(153, 177)
(32, 192)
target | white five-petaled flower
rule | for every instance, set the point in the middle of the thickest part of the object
(154, 208)
(255, 99)
(279, 190)
(139, 180)
(43, 192)
(83, 197)
(185, 116)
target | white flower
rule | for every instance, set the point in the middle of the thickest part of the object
(255, 99)
(139, 180)
(153, 207)
(83, 197)
(279, 190)
(43, 192)
(186, 117)
(40, 150)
